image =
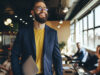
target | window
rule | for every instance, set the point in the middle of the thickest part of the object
(88, 29)
(7, 39)
(85, 38)
(97, 16)
(97, 36)
(77, 32)
(79, 29)
(81, 26)
(91, 39)
(85, 22)
(85, 42)
(72, 32)
(90, 20)
(81, 34)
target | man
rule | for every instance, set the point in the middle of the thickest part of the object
(81, 53)
(40, 41)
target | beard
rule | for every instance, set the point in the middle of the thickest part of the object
(39, 19)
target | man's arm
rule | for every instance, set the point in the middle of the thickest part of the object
(82, 53)
(57, 60)
(16, 51)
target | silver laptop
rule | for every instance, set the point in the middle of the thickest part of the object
(29, 67)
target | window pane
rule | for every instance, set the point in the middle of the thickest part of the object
(97, 16)
(85, 22)
(85, 38)
(80, 32)
(91, 38)
(81, 26)
(77, 32)
(97, 36)
(72, 37)
(81, 38)
(72, 28)
(6, 40)
(90, 20)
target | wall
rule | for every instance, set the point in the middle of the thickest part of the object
(63, 31)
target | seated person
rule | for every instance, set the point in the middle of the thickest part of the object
(97, 70)
(81, 53)
(5, 67)
(90, 62)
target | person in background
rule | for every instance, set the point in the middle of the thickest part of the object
(81, 53)
(40, 41)
(5, 68)
(97, 70)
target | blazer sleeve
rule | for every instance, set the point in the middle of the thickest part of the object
(15, 54)
(57, 60)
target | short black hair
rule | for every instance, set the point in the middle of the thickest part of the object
(36, 1)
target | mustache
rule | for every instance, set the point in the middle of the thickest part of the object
(41, 13)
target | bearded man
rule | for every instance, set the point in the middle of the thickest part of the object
(40, 41)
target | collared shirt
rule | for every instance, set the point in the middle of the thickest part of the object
(82, 55)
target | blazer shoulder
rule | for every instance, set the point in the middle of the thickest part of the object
(51, 29)
(25, 28)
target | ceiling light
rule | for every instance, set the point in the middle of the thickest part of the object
(30, 15)
(11, 25)
(58, 26)
(20, 19)
(26, 23)
(60, 22)
(9, 20)
(65, 10)
(6, 23)
(23, 21)
(16, 16)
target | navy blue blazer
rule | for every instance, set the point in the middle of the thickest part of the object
(24, 46)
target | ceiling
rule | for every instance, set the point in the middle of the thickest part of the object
(22, 8)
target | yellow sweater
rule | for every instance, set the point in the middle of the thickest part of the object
(39, 40)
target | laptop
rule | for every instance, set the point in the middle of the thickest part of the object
(30, 67)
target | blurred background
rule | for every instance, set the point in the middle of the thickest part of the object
(74, 20)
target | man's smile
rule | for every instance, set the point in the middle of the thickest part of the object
(42, 15)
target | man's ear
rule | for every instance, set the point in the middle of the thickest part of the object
(32, 12)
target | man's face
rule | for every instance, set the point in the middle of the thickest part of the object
(40, 12)
(78, 45)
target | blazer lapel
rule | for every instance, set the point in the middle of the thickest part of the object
(32, 38)
(45, 39)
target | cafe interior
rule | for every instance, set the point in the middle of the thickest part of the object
(77, 23)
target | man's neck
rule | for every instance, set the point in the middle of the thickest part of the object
(38, 25)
